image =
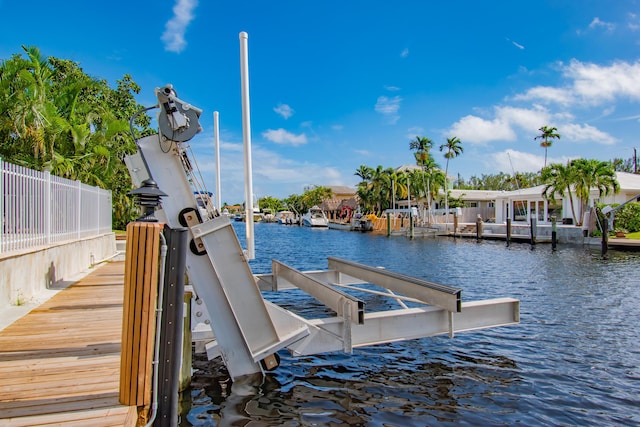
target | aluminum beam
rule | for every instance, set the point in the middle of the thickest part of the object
(442, 296)
(398, 325)
(340, 302)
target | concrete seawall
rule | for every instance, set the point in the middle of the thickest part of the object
(32, 275)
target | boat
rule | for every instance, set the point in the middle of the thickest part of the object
(268, 216)
(286, 218)
(362, 222)
(358, 222)
(334, 225)
(315, 217)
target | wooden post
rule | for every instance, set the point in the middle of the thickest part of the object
(388, 224)
(508, 231)
(534, 229)
(410, 224)
(479, 228)
(554, 233)
(455, 223)
(605, 237)
(138, 323)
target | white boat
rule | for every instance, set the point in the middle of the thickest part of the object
(315, 217)
(286, 218)
(334, 225)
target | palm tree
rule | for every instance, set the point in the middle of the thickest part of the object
(421, 146)
(364, 172)
(589, 174)
(454, 149)
(559, 179)
(547, 136)
(424, 159)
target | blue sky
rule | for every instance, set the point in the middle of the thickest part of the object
(338, 84)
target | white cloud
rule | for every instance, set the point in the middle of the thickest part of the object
(284, 110)
(524, 118)
(595, 84)
(405, 52)
(510, 161)
(586, 133)
(175, 28)
(477, 130)
(547, 94)
(281, 136)
(590, 84)
(597, 23)
(389, 107)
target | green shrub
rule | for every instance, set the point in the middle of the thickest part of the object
(628, 218)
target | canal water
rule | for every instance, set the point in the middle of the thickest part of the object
(574, 360)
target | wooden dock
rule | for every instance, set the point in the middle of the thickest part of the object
(60, 364)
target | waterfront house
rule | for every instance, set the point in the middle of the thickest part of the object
(522, 205)
(341, 197)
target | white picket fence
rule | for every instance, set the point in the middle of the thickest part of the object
(40, 209)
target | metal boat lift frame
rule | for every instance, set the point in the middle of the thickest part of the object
(247, 331)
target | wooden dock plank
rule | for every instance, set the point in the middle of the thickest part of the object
(60, 364)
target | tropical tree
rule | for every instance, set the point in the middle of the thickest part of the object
(294, 203)
(454, 149)
(421, 146)
(629, 165)
(593, 174)
(364, 172)
(314, 195)
(269, 202)
(422, 152)
(559, 180)
(548, 134)
(54, 116)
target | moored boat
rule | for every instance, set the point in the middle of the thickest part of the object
(286, 218)
(334, 225)
(315, 217)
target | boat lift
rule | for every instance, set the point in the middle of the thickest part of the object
(232, 318)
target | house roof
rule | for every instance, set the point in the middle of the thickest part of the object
(628, 181)
(341, 190)
(484, 195)
(523, 192)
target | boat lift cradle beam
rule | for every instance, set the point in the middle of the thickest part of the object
(335, 299)
(443, 296)
(340, 334)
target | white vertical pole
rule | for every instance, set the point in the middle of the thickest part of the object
(216, 143)
(246, 138)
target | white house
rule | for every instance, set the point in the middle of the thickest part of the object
(522, 205)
